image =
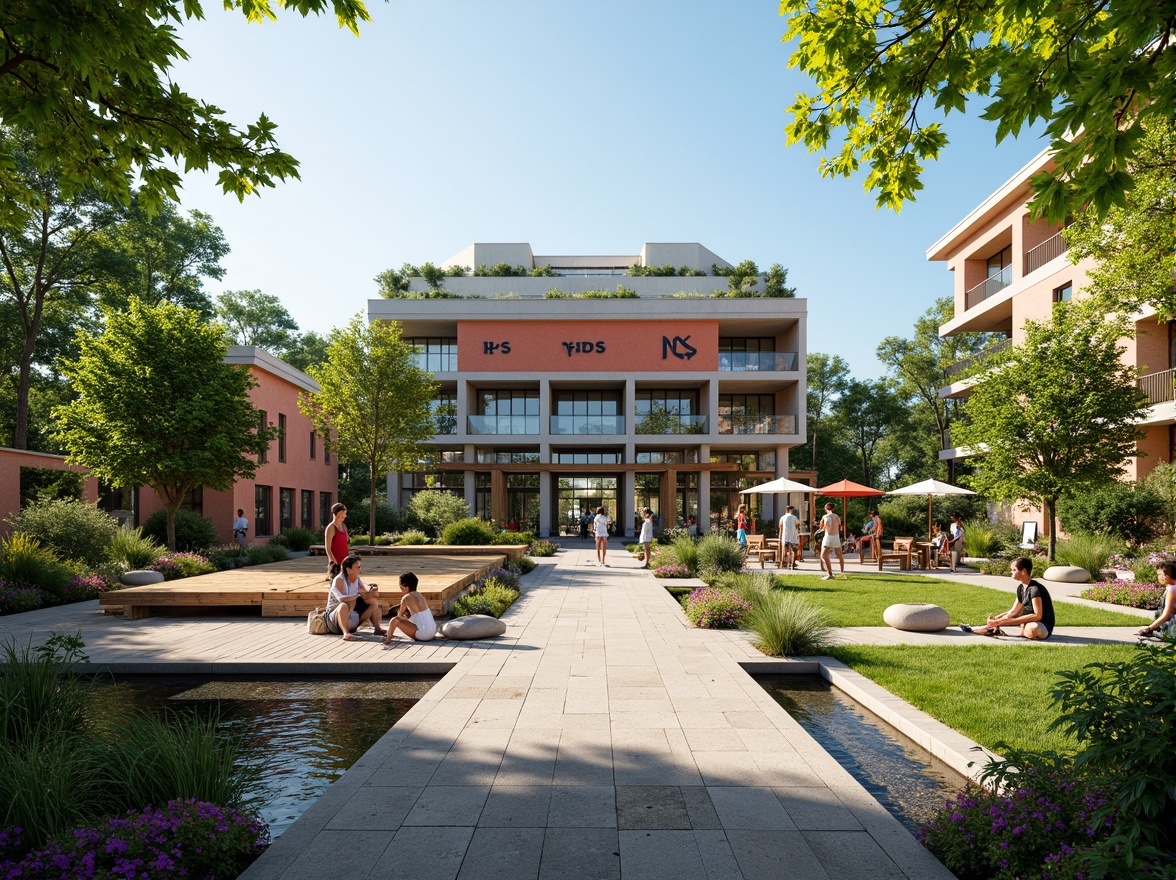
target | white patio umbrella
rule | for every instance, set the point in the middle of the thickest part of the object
(932, 489)
(780, 484)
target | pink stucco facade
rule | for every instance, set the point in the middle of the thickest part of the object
(1008, 269)
(295, 484)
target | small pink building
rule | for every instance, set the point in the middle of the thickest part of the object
(297, 480)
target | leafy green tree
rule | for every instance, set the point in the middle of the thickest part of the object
(255, 318)
(1102, 69)
(776, 282)
(869, 412)
(162, 256)
(50, 263)
(828, 376)
(159, 407)
(1132, 244)
(1132, 511)
(501, 270)
(1162, 482)
(393, 283)
(1057, 414)
(374, 398)
(917, 365)
(307, 350)
(92, 82)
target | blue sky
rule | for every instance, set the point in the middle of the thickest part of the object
(580, 128)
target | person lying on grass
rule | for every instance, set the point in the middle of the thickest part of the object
(414, 619)
(352, 603)
(1033, 611)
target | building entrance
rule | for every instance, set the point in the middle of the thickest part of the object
(578, 494)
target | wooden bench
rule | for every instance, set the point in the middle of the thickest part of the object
(901, 553)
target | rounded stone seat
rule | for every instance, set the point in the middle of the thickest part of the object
(1066, 574)
(916, 617)
(141, 578)
(473, 626)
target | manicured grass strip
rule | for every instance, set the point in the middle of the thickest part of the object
(859, 600)
(989, 693)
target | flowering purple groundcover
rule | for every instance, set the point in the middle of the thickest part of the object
(1120, 592)
(714, 608)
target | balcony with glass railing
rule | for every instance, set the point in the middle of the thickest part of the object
(481, 425)
(581, 425)
(989, 287)
(757, 424)
(1157, 386)
(953, 371)
(757, 361)
(1048, 250)
(662, 422)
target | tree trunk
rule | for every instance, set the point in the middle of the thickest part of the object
(1053, 531)
(20, 435)
(372, 506)
(172, 508)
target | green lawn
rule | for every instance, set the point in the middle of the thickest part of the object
(860, 599)
(988, 693)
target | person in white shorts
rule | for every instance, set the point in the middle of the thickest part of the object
(600, 529)
(831, 523)
(414, 619)
(789, 537)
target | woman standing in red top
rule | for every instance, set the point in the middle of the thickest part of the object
(335, 540)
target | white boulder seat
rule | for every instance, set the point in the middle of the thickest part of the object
(916, 617)
(1066, 574)
(473, 626)
(141, 578)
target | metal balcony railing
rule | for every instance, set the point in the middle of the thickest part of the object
(580, 425)
(757, 361)
(668, 423)
(757, 424)
(503, 424)
(990, 286)
(1050, 249)
(962, 366)
(1157, 386)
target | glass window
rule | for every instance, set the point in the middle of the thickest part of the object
(747, 414)
(313, 441)
(434, 354)
(443, 410)
(668, 456)
(1000, 261)
(676, 401)
(308, 510)
(507, 456)
(263, 503)
(324, 508)
(592, 456)
(282, 437)
(262, 422)
(285, 509)
(1063, 293)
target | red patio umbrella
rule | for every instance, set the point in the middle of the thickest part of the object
(848, 489)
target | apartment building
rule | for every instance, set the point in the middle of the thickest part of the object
(673, 400)
(297, 479)
(1008, 269)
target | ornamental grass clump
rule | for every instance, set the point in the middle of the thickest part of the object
(1129, 593)
(685, 551)
(132, 550)
(788, 625)
(710, 608)
(1089, 550)
(25, 562)
(719, 553)
(183, 839)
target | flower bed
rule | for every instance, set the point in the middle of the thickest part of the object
(711, 608)
(672, 571)
(1129, 593)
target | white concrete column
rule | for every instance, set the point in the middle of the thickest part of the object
(704, 481)
(546, 502)
(625, 502)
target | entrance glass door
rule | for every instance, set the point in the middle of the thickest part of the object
(579, 494)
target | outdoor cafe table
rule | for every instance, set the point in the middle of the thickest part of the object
(923, 548)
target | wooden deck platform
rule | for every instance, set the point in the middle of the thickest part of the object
(293, 588)
(514, 551)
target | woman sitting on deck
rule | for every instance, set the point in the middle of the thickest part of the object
(351, 603)
(415, 619)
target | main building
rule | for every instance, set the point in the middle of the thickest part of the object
(552, 403)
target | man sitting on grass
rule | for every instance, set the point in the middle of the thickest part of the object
(1033, 611)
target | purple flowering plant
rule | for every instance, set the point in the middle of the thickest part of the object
(184, 839)
(15, 598)
(181, 565)
(713, 608)
(671, 571)
(1123, 592)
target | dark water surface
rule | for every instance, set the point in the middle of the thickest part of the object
(305, 733)
(903, 777)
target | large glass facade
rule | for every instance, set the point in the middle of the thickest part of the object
(506, 412)
(588, 412)
(751, 354)
(578, 494)
(588, 456)
(671, 411)
(443, 411)
(752, 414)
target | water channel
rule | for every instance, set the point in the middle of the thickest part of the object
(307, 732)
(907, 780)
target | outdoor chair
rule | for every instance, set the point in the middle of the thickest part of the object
(901, 553)
(757, 547)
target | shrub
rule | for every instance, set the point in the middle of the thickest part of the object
(82, 588)
(267, 553)
(388, 519)
(525, 564)
(685, 549)
(1129, 511)
(438, 510)
(15, 600)
(182, 565)
(542, 547)
(45, 483)
(466, 532)
(671, 571)
(982, 539)
(279, 541)
(71, 529)
(299, 539)
(492, 599)
(193, 531)
(502, 577)
(228, 556)
(185, 838)
(514, 538)
(412, 537)
(788, 625)
(1130, 593)
(131, 549)
(710, 608)
(718, 552)
(25, 563)
(1089, 551)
